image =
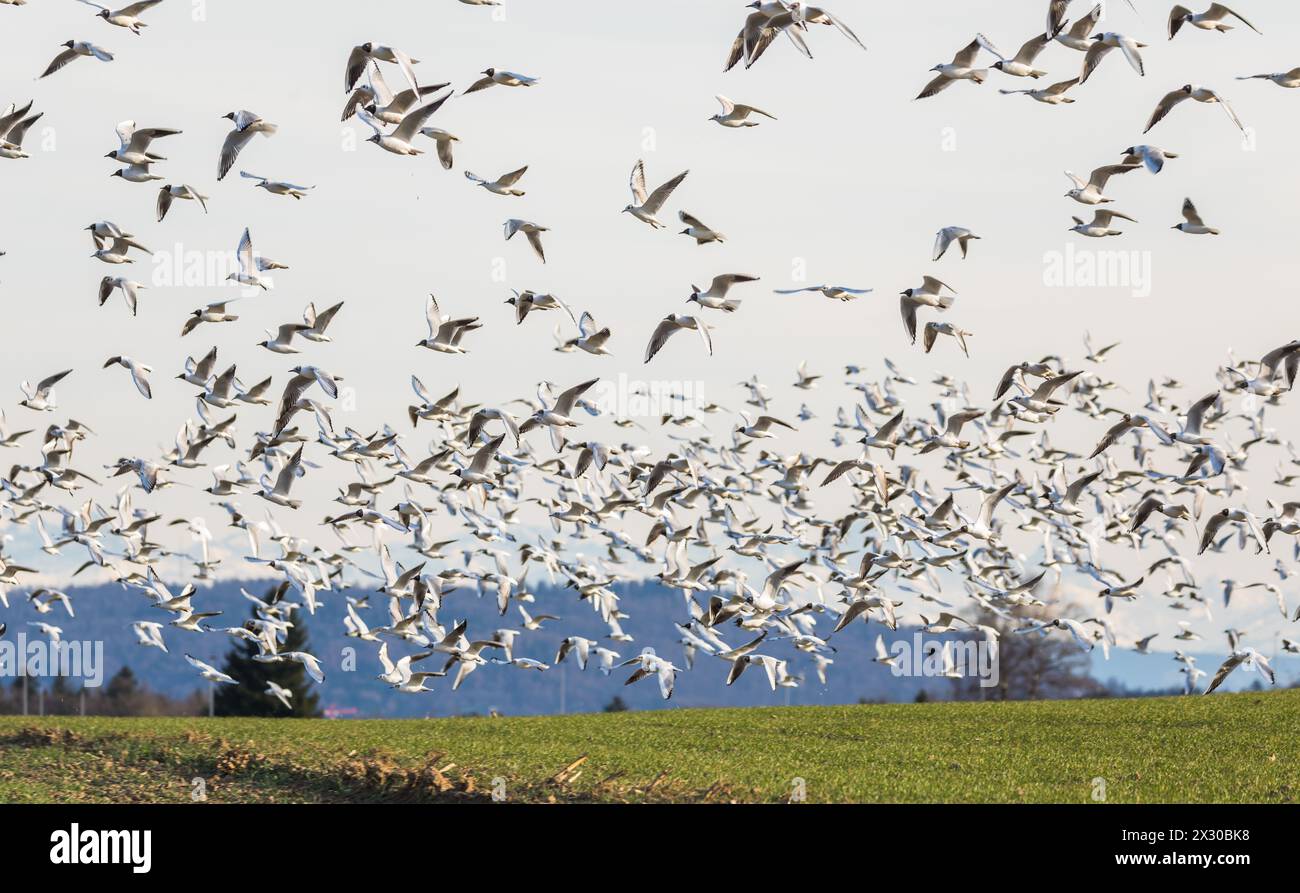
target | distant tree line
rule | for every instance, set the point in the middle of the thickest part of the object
(122, 695)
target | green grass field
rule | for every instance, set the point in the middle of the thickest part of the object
(1223, 748)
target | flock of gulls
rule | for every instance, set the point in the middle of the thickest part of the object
(461, 500)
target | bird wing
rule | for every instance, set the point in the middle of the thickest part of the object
(445, 153)
(942, 239)
(370, 121)
(1252, 523)
(1060, 87)
(245, 252)
(141, 383)
(139, 140)
(1234, 660)
(383, 93)
(1104, 218)
(18, 131)
(1056, 10)
(1165, 107)
(938, 85)
(1196, 414)
(535, 240)
(293, 392)
(59, 61)
(908, 308)
(1229, 110)
(1177, 16)
(1219, 11)
(485, 453)
(932, 284)
(1211, 531)
(1084, 26)
(966, 55)
(637, 182)
(512, 178)
(657, 198)
(565, 402)
(737, 50)
(164, 202)
(1076, 488)
(1129, 47)
(1102, 174)
(433, 316)
(230, 149)
(990, 504)
(691, 220)
(11, 115)
(413, 121)
(1044, 391)
(1031, 48)
(704, 334)
(136, 8)
(284, 480)
(405, 63)
(43, 388)
(726, 280)
(928, 336)
(665, 330)
(1189, 211)
(821, 16)
(324, 318)
(1092, 59)
(284, 334)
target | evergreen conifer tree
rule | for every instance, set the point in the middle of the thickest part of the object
(249, 697)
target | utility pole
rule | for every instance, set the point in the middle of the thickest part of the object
(212, 699)
(563, 679)
(24, 691)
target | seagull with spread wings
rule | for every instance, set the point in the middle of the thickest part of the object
(1191, 91)
(646, 205)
